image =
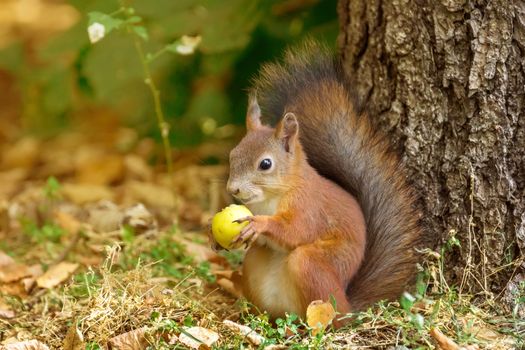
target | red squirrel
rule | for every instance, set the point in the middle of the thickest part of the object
(333, 214)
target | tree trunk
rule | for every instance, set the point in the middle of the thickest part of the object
(446, 80)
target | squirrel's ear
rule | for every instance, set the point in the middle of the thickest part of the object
(253, 115)
(287, 131)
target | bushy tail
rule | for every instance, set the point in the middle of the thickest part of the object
(342, 145)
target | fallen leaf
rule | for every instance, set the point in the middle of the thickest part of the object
(29, 282)
(5, 259)
(485, 333)
(252, 336)
(200, 252)
(11, 180)
(25, 345)
(5, 311)
(13, 272)
(14, 288)
(105, 216)
(196, 337)
(133, 340)
(74, 339)
(191, 212)
(85, 193)
(443, 341)
(174, 339)
(151, 194)
(67, 221)
(21, 154)
(56, 274)
(319, 315)
(140, 219)
(231, 282)
(101, 169)
(137, 168)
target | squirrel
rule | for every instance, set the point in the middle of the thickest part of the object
(334, 216)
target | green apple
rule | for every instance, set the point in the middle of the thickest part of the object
(223, 227)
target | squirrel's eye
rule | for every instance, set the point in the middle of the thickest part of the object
(265, 164)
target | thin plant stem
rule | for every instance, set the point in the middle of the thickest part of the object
(161, 121)
(163, 125)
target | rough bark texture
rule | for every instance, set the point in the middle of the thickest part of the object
(446, 78)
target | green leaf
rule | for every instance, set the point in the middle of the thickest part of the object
(406, 301)
(110, 23)
(173, 46)
(128, 234)
(134, 20)
(141, 32)
(417, 320)
(52, 188)
(421, 284)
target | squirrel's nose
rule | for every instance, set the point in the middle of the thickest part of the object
(233, 189)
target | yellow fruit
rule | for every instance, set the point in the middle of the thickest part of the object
(223, 228)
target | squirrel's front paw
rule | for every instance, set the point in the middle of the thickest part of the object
(256, 225)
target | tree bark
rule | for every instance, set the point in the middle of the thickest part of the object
(446, 79)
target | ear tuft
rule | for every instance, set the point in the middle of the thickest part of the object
(253, 115)
(287, 130)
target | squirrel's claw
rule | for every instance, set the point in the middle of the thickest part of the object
(241, 220)
(247, 235)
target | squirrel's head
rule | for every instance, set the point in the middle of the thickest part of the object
(264, 159)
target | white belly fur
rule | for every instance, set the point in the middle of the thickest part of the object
(275, 291)
(269, 278)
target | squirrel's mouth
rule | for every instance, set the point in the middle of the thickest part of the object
(245, 200)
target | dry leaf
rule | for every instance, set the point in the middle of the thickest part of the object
(197, 337)
(56, 274)
(67, 221)
(105, 216)
(25, 345)
(5, 259)
(231, 284)
(486, 333)
(252, 336)
(151, 194)
(140, 219)
(14, 288)
(443, 341)
(5, 311)
(133, 340)
(85, 193)
(29, 282)
(13, 272)
(10, 180)
(22, 154)
(200, 252)
(74, 339)
(137, 168)
(101, 169)
(319, 315)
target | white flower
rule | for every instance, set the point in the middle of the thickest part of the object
(96, 32)
(188, 44)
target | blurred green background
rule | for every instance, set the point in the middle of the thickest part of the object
(59, 78)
